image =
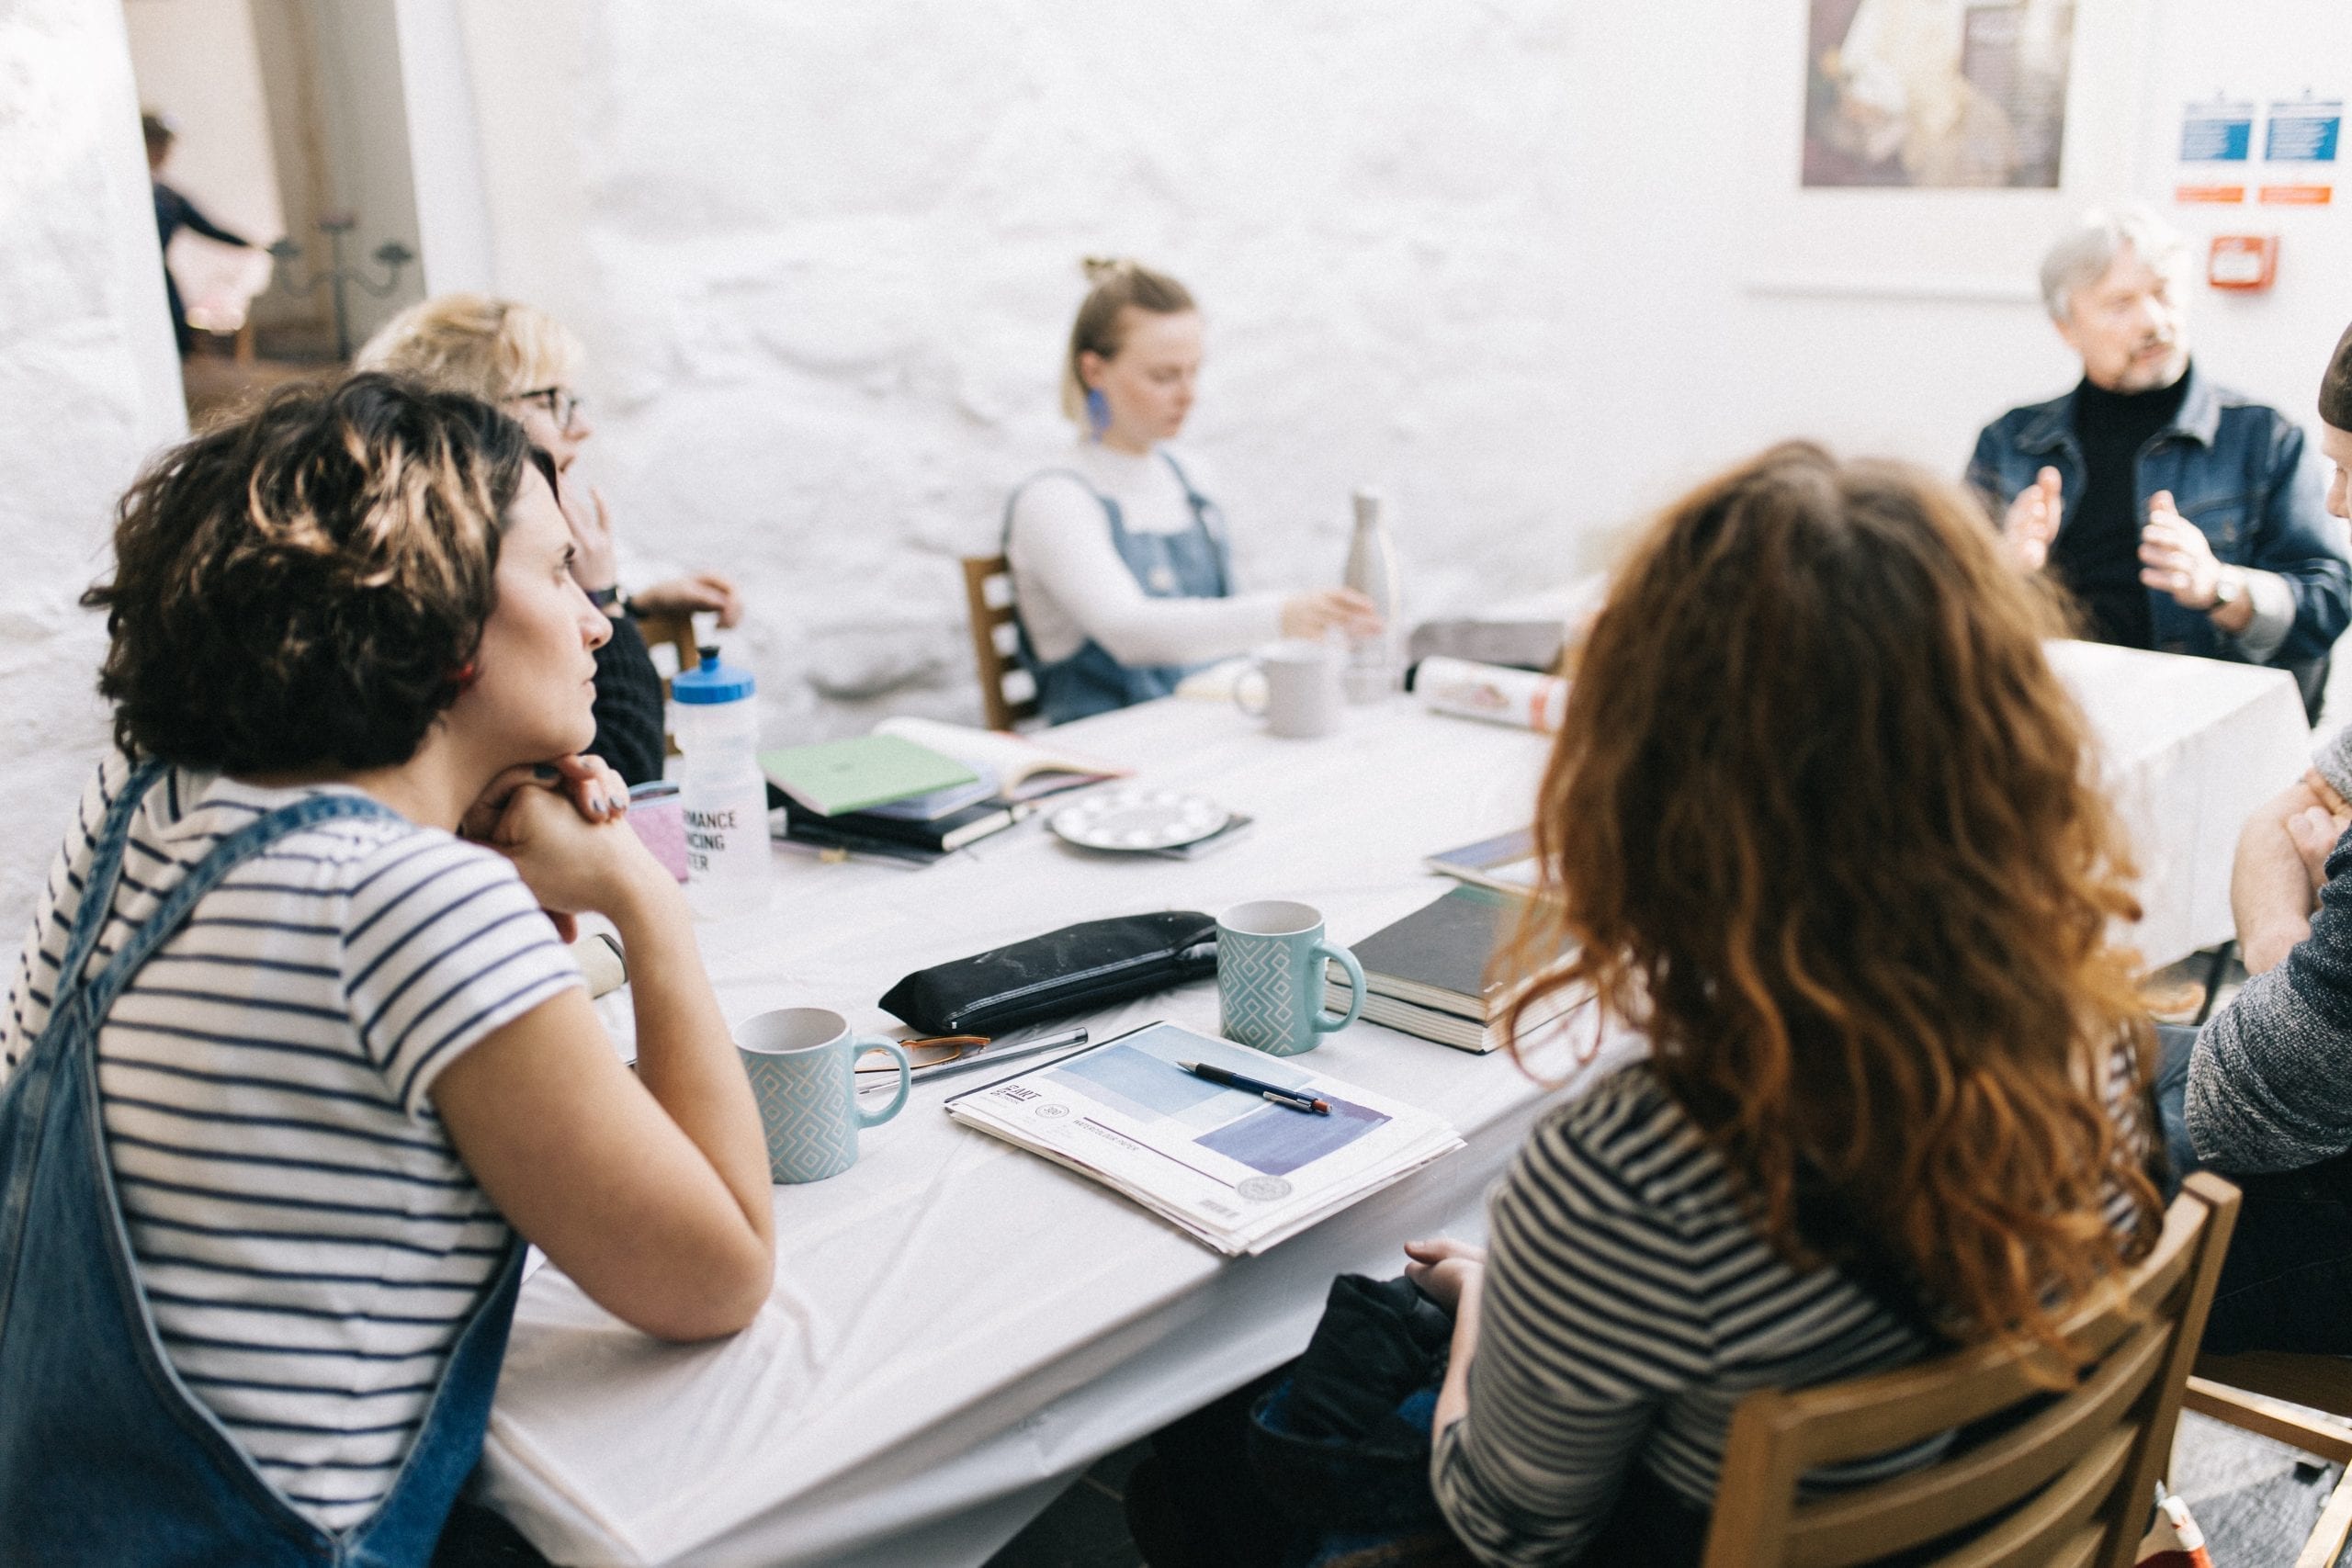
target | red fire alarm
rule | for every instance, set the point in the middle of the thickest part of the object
(2242, 261)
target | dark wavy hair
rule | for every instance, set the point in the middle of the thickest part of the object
(1822, 821)
(299, 586)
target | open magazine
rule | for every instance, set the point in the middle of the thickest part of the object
(1223, 1164)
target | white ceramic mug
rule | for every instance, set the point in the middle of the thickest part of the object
(1303, 695)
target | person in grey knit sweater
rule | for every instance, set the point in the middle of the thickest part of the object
(2268, 1092)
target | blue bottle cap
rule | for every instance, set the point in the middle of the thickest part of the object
(712, 681)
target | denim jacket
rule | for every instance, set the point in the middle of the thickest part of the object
(2238, 469)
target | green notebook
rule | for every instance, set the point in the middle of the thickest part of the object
(834, 776)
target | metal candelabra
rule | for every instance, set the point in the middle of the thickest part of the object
(391, 255)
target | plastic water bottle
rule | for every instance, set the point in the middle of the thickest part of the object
(721, 790)
(1372, 571)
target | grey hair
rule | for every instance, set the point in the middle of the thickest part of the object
(2085, 251)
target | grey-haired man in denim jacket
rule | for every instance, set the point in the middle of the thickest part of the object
(2187, 517)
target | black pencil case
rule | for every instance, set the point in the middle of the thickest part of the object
(1079, 967)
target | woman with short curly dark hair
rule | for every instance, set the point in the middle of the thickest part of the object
(293, 1067)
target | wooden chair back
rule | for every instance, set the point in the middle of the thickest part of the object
(677, 629)
(2070, 1486)
(1008, 695)
(2274, 1395)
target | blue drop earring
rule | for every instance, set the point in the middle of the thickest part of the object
(1098, 411)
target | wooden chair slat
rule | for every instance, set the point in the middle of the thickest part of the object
(2029, 1537)
(1007, 694)
(2070, 1485)
(2268, 1417)
(1896, 1515)
(2325, 1543)
(1890, 1410)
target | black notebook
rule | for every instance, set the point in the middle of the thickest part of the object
(1426, 974)
(1436, 957)
(939, 834)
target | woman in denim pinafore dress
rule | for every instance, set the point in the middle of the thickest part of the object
(268, 974)
(1103, 629)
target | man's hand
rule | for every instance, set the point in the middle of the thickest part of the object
(2176, 558)
(2314, 832)
(2032, 520)
(695, 594)
(2280, 867)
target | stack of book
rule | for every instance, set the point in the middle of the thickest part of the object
(915, 790)
(1426, 974)
(1224, 1165)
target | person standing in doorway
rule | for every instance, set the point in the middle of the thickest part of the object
(174, 211)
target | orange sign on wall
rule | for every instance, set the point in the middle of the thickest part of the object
(2209, 192)
(2298, 196)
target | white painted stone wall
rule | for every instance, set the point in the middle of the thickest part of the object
(831, 256)
(1508, 261)
(88, 387)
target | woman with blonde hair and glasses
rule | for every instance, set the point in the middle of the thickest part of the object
(1122, 572)
(524, 361)
(1820, 829)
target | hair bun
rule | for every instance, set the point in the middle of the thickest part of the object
(1102, 270)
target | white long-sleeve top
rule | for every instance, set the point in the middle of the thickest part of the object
(1071, 584)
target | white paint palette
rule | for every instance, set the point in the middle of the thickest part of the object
(1138, 817)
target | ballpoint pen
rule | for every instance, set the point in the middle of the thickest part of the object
(1294, 1099)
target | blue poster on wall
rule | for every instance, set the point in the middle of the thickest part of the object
(2216, 133)
(2304, 131)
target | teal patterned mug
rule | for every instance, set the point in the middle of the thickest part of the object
(802, 1062)
(1270, 959)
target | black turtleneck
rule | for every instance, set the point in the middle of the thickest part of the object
(2096, 554)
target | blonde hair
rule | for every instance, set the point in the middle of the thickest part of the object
(491, 349)
(1119, 282)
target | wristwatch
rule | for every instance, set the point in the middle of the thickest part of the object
(2228, 589)
(604, 598)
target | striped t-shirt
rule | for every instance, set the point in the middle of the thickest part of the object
(306, 1235)
(1629, 1306)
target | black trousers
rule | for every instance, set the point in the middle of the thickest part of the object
(2287, 1283)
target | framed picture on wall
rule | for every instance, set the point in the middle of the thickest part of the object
(1931, 94)
(1929, 148)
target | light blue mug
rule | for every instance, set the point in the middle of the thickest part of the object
(1270, 959)
(802, 1063)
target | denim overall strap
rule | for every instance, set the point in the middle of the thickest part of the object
(104, 1456)
(1191, 565)
(25, 1097)
(1210, 520)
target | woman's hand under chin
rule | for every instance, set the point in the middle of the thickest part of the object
(560, 824)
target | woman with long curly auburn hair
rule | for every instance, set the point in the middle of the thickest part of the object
(1821, 823)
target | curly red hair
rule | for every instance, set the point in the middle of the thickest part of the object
(1822, 823)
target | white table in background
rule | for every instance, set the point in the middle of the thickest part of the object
(958, 1328)
(2190, 748)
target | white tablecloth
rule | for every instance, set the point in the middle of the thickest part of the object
(2190, 747)
(959, 1327)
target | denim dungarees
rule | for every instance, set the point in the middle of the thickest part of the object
(1192, 565)
(106, 1458)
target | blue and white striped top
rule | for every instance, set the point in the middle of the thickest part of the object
(307, 1237)
(1629, 1306)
